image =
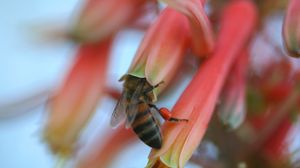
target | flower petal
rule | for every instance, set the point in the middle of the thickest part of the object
(202, 33)
(169, 46)
(76, 100)
(162, 49)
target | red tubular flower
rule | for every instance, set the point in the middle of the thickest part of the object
(102, 155)
(232, 110)
(101, 18)
(291, 28)
(202, 33)
(76, 100)
(162, 49)
(200, 97)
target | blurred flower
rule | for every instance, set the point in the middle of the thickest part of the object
(267, 135)
(162, 49)
(202, 33)
(268, 127)
(271, 86)
(200, 97)
(102, 154)
(101, 18)
(232, 110)
(277, 81)
(276, 147)
(74, 103)
(291, 28)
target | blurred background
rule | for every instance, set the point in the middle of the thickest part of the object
(30, 70)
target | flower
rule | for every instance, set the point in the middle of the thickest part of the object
(200, 97)
(291, 28)
(232, 110)
(100, 19)
(162, 50)
(75, 101)
(202, 39)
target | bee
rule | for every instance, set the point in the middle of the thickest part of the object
(137, 108)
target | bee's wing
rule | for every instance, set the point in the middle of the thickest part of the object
(133, 107)
(119, 113)
(132, 110)
(156, 116)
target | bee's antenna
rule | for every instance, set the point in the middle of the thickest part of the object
(162, 82)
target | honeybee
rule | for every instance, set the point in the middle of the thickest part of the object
(137, 108)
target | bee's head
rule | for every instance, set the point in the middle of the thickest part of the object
(131, 82)
(148, 91)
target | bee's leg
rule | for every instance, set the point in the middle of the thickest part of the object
(161, 82)
(166, 114)
(155, 86)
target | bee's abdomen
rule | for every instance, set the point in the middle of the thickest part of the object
(147, 129)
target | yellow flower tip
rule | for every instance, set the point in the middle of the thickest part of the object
(57, 146)
(156, 164)
(169, 160)
(61, 162)
(233, 118)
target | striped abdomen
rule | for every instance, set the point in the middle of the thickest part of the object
(146, 127)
